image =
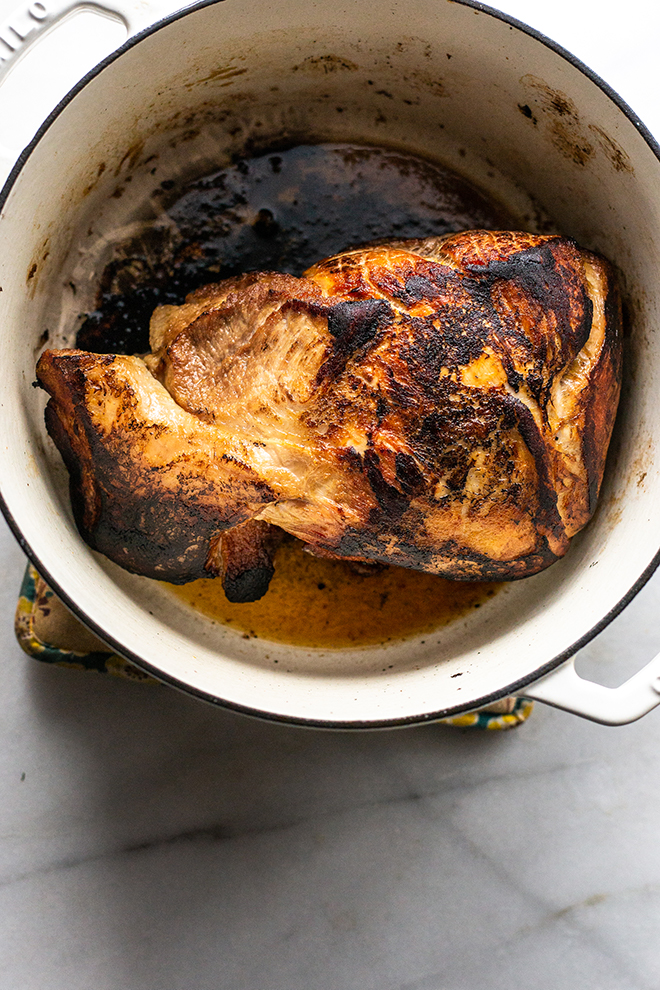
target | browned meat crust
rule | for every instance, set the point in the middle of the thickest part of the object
(242, 557)
(442, 404)
(151, 486)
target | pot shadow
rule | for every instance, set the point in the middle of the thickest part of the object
(183, 823)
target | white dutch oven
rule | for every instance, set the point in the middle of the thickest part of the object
(454, 81)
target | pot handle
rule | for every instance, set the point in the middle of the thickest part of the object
(564, 688)
(30, 22)
(33, 19)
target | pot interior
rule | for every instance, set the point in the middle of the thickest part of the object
(446, 81)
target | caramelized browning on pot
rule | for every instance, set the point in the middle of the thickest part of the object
(278, 211)
(443, 404)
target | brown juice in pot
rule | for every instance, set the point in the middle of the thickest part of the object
(283, 211)
(325, 603)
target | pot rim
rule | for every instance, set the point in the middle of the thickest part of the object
(510, 689)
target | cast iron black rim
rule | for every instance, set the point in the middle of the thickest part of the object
(510, 689)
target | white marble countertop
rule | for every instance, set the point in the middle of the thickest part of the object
(151, 842)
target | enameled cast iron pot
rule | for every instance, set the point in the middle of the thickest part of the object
(453, 81)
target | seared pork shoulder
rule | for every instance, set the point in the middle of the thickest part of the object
(442, 404)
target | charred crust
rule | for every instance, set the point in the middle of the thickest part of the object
(85, 510)
(548, 274)
(249, 585)
(360, 545)
(68, 425)
(357, 321)
(441, 364)
(468, 564)
(243, 559)
(353, 325)
(351, 459)
(460, 420)
(604, 388)
(125, 507)
(452, 337)
(548, 517)
(451, 558)
(422, 288)
(408, 474)
(392, 501)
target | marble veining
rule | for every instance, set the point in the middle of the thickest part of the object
(155, 842)
(151, 842)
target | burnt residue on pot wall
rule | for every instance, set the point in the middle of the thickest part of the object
(281, 209)
(570, 135)
(36, 265)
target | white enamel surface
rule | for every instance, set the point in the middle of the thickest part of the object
(213, 73)
(564, 688)
(152, 842)
(34, 75)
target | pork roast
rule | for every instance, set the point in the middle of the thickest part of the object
(443, 404)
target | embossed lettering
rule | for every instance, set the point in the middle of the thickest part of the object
(7, 43)
(38, 10)
(13, 35)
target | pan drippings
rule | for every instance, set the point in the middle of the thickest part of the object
(325, 603)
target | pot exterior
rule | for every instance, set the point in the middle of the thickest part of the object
(449, 81)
